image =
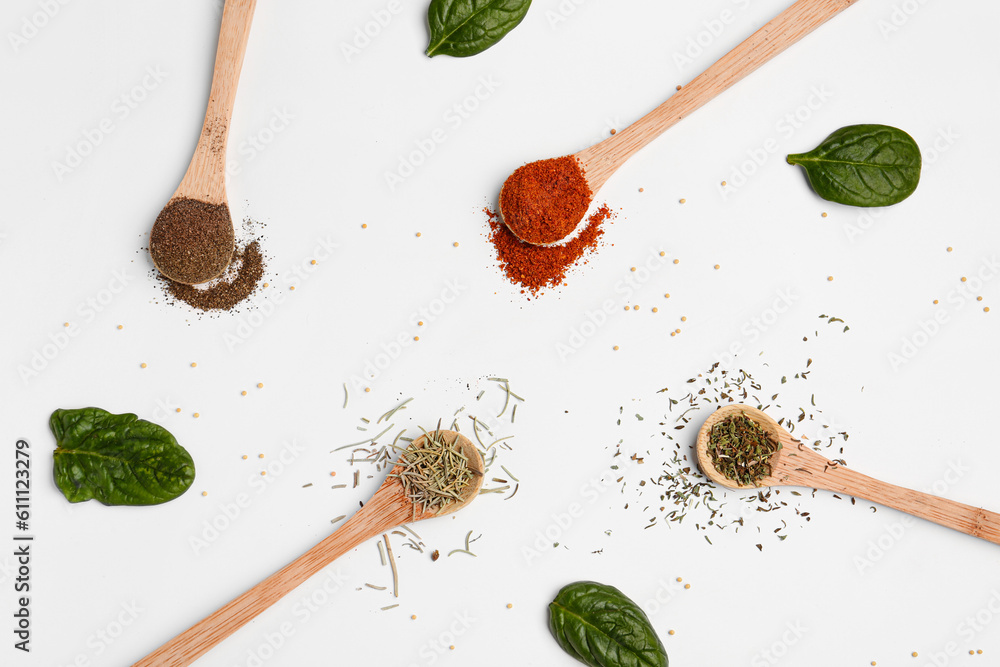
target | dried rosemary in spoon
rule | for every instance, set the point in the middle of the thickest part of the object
(435, 473)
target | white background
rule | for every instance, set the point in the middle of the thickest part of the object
(568, 74)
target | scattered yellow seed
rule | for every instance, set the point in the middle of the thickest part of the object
(178, 410)
(971, 652)
(724, 184)
(677, 330)
(204, 493)
(455, 244)
(964, 279)
(679, 87)
(615, 348)
(986, 309)
(874, 663)
(980, 651)
(244, 457)
(632, 269)
(260, 456)
(950, 248)
(829, 279)
(418, 236)
(635, 307)
(420, 323)
(824, 214)
(686, 586)
(416, 338)
(671, 632)
(196, 415)
(683, 201)
(663, 254)
(979, 298)
(120, 327)
(292, 288)
(266, 284)
(194, 364)
(142, 365)
(364, 226)
(677, 261)
(680, 579)
(936, 302)
(367, 389)
(684, 319)
(313, 261)
(666, 296)
(260, 385)
(718, 266)
(263, 473)
(673, 333)
(510, 606)
(614, 131)
(642, 189)
(655, 309)
(627, 309)
(243, 393)
(333, 474)
(65, 324)
(914, 654)
(452, 647)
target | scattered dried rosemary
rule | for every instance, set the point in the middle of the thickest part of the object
(741, 449)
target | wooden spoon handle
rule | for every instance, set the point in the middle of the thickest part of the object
(602, 160)
(205, 177)
(384, 512)
(810, 469)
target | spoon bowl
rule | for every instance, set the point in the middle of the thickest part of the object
(796, 464)
(389, 508)
(192, 239)
(600, 161)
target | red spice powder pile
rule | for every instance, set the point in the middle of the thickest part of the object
(544, 201)
(538, 267)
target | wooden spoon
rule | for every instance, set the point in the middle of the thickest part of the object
(389, 508)
(602, 160)
(209, 242)
(795, 464)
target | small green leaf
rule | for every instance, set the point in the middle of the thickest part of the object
(863, 165)
(117, 459)
(463, 28)
(601, 627)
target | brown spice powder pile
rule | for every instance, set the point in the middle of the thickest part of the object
(543, 202)
(192, 241)
(226, 294)
(538, 267)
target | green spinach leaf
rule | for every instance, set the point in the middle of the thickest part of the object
(462, 28)
(863, 165)
(599, 626)
(117, 459)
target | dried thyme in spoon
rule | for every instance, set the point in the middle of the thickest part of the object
(434, 472)
(741, 449)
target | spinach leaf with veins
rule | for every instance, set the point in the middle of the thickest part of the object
(463, 28)
(117, 459)
(863, 165)
(601, 627)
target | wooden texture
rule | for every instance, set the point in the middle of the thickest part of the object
(602, 160)
(798, 465)
(205, 179)
(389, 508)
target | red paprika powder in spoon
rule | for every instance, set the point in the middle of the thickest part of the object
(543, 202)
